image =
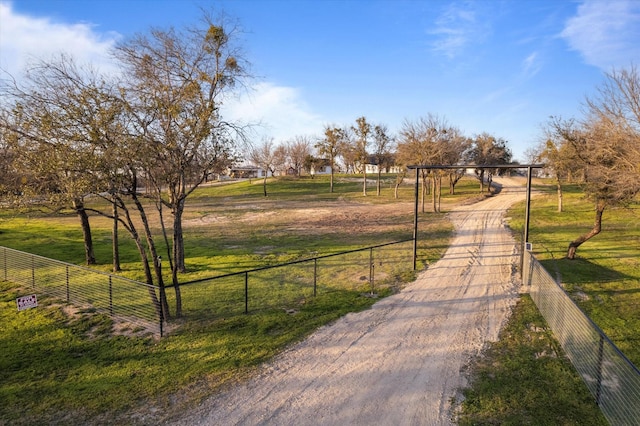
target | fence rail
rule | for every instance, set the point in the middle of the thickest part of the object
(288, 285)
(130, 302)
(612, 379)
(285, 285)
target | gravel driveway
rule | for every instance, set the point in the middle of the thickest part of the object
(400, 362)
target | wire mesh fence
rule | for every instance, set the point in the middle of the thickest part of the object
(285, 286)
(289, 285)
(126, 301)
(612, 379)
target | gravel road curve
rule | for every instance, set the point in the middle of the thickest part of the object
(400, 362)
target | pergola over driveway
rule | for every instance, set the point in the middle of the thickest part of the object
(529, 168)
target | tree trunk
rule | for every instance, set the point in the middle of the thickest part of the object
(481, 181)
(114, 239)
(130, 226)
(178, 254)
(378, 183)
(264, 184)
(439, 192)
(157, 266)
(597, 227)
(434, 194)
(364, 180)
(424, 189)
(559, 191)
(331, 178)
(78, 206)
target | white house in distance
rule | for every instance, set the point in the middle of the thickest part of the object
(320, 170)
(373, 169)
(248, 172)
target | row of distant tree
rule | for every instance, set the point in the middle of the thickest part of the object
(429, 140)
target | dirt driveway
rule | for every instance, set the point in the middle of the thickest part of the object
(400, 362)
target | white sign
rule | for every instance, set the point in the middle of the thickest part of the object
(26, 302)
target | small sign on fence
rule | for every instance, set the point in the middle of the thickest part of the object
(26, 302)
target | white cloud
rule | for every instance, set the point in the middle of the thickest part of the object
(606, 33)
(531, 65)
(458, 27)
(26, 38)
(280, 110)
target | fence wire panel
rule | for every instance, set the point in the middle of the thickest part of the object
(392, 263)
(209, 299)
(612, 379)
(126, 301)
(284, 287)
(345, 271)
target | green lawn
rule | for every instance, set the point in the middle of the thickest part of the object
(68, 368)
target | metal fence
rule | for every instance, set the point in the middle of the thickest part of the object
(612, 379)
(130, 303)
(289, 285)
(286, 285)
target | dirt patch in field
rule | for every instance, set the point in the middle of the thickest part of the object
(337, 217)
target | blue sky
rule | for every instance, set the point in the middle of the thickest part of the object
(501, 67)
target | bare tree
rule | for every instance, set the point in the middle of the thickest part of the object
(430, 141)
(69, 130)
(281, 160)
(559, 156)
(414, 149)
(382, 145)
(299, 148)
(175, 83)
(486, 149)
(264, 156)
(362, 132)
(331, 146)
(58, 123)
(607, 146)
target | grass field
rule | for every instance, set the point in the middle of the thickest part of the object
(62, 367)
(66, 367)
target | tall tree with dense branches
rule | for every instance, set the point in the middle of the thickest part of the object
(486, 149)
(175, 84)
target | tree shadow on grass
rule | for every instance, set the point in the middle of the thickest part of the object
(580, 271)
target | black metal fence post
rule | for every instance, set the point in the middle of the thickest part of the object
(161, 319)
(599, 377)
(371, 266)
(315, 276)
(246, 292)
(33, 271)
(415, 225)
(67, 282)
(110, 295)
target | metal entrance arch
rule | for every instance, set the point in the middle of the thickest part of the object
(529, 168)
